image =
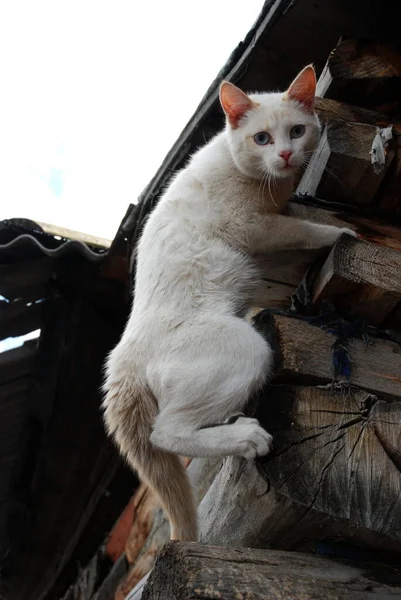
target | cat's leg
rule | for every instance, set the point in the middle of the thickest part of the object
(269, 233)
(244, 438)
(220, 366)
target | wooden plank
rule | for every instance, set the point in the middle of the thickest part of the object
(365, 73)
(362, 278)
(303, 354)
(341, 168)
(189, 571)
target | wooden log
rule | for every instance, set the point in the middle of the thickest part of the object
(338, 453)
(334, 474)
(341, 168)
(389, 194)
(303, 355)
(364, 73)
(362, 278)
(189, 571)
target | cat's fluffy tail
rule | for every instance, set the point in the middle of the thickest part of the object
(129, 413)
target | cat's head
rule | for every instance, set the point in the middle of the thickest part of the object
(272, 133)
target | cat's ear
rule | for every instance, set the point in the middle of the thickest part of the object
(303, 88)
(234, 102)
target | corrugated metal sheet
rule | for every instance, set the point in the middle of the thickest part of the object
(21, 238)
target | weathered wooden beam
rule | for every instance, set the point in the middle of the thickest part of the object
(329, 110)
(189, 571)
(334, 473)
(341, 169)
(361, 277)
(304, 355)
(364, 73)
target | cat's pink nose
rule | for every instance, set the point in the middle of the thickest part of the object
(286, 154)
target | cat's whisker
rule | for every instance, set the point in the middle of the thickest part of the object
(265, 180)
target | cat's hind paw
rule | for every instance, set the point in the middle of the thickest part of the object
(253, 439)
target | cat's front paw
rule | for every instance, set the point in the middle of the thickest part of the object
(253, 439)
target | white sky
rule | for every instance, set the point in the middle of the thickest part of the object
(93, 95)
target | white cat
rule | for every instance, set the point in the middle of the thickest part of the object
(188, 360)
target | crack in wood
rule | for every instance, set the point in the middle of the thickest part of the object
(393, 454)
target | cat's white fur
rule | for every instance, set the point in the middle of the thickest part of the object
(188, 360)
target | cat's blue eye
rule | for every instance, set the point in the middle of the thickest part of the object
(261, 138)
(297, 131)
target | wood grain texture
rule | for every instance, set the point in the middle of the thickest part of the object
(341, 168)
(189, 571)
(334, 474)
(337, 452)
(363, 278)
(329, 110)
(304, 355)
(365, 73)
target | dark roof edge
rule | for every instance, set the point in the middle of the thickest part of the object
(272, 10)
(66, 248)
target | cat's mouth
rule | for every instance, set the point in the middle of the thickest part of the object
(287, 168)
